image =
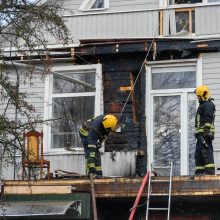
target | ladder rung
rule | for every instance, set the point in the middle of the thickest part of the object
(152, 180)
(162, 167)
(158, 209)
(159, 194)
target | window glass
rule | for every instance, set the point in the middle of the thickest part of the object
(191, 141)
(212, 1)
(166, 132)
(174, 80)
(83, 83)
(69, 114)
(193, 21)
(98, 4)
(182, 21)
(185, 1)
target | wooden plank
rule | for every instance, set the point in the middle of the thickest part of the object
(70, 182)
(118, 187)
(31, 190)
(125, 88)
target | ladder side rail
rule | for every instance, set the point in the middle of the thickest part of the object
(170, 189)
(148, 196)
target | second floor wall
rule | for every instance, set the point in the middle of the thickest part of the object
(86, 6)
(198, 21)
(193, 22)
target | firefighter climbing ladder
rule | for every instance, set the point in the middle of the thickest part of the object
(150, 194)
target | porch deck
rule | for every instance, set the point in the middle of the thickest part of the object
(115, 187)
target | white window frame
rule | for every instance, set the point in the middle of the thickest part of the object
(149, 106)
(87, 4)
(99, 106)
(165, 4)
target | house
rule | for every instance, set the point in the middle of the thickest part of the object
(163, 48)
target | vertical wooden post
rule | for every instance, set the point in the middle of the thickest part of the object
(133, 106)
(94, 209)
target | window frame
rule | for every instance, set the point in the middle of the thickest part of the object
(152, 93)
(85, 3)
(98, 94)
(165, 4)
(190, 10)
(172, 21)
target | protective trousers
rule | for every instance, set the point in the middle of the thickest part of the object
(93, 161)
(204, 158)
(92, 156)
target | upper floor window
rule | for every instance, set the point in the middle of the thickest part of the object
(165, 3)
(75, 95)
(174, 2)
(185, 20)
(177, 22)
(94, 5)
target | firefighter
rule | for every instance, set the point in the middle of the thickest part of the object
(204, 132)
(93, 133)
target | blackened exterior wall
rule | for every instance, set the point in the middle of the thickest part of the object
(117, 71)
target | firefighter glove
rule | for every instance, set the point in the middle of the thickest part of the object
(99, 144)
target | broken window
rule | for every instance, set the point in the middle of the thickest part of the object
(177, 22)
(185, 20)
(75, 97)
(94, 4)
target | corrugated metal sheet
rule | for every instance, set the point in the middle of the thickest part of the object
(113, 164)
(42, 208)
(114, 25)
(206, 20)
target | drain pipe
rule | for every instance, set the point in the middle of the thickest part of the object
(133, 209)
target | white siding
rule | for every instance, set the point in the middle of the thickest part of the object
(211, 77)
(207, 20)
(116, 5)
(34, 90)
(140, 24)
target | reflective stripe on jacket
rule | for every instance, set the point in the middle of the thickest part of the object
(205, 117)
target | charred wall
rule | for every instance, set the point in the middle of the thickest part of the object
(120, 72)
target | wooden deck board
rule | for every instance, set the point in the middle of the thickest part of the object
(117, 187)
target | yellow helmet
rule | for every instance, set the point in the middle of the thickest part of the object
(109, 121)
(203, 92)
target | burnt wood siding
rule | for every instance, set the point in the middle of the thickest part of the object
(117, 72)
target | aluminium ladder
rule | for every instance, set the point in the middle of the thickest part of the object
(150, 194)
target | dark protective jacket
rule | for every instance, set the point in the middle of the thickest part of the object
(97, 132)
(205, 117)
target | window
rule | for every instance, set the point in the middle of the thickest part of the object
(173, 2)
(165, 3)
(171, 107)
(177, 22)
(185, 20)
(173, 80)
(94, 5)
(75, 96)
